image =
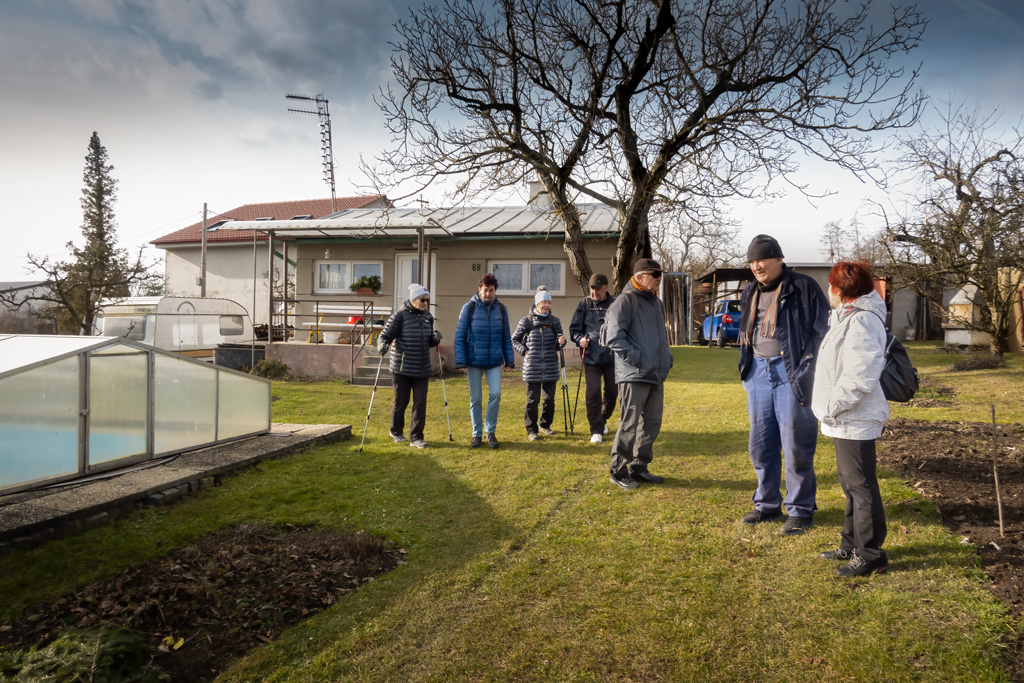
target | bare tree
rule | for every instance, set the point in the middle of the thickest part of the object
(840, 243)
(636, 103)
(685, 245)
(967, 229)
(97, 270)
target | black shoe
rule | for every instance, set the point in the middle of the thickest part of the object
(796, 525)
(627, 484)
(492, 440)
(758, 516)
(858, 566)
(837, 554)
(474, 442)
(646, 477)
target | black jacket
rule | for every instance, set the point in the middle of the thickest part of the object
(412, 332)
(536, 339)
(587, 322)
(801, 324)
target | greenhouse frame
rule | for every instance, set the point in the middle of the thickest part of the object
(74, 406)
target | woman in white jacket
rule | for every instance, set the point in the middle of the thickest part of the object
(849, 401)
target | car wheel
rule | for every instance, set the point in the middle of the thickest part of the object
(722, 341)
(700, 337)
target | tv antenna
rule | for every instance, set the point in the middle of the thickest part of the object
(326, 150)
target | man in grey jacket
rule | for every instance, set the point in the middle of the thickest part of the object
(634, 331)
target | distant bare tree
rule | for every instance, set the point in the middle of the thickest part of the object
(839, 243)
(685, 245)
(968, 225)
(635, 103)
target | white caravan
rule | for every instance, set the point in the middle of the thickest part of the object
(189, 326)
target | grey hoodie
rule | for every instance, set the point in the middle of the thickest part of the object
(847, 396)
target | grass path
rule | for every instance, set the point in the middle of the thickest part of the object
(526, 564)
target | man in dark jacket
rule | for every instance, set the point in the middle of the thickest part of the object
(634, 331)
(598, 363)
(411, 330)
(785, 317)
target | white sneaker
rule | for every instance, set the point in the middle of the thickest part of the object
(596, 438)
(606, 429)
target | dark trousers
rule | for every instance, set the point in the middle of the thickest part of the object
(639, 425)
(403, 386)
(533, 397)
(864, 526)
(600, 408)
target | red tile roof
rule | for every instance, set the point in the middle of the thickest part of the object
(276, 210)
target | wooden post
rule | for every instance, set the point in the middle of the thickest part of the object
(995, 471)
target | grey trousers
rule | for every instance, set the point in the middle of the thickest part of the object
(864, 526)
(641, 405)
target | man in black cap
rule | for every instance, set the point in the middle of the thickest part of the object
(598, 363)
(634, 331)
(785, 317)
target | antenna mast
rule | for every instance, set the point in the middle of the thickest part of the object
(326, 150)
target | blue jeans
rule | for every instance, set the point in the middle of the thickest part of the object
(476, 376)
(779, 426)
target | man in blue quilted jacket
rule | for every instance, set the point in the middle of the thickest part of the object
(483, 344)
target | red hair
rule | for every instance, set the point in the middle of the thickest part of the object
(488, 280)
(851, 279)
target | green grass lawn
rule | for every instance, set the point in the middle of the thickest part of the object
(525, 563)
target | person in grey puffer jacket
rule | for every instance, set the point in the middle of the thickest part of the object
(634, 330)
(411, 331)
(538, 338)
(848, 399)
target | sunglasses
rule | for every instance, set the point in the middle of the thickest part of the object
(424, 299)
(656, 274)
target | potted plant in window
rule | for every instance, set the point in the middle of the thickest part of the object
(367, 284)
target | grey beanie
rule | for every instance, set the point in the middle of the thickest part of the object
(416, 291)
(542, 295)
(763, 247)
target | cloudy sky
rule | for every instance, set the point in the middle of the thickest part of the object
(188, 98)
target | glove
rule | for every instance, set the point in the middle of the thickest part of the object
(383, 348)
(437, 337)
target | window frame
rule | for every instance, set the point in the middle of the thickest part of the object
(526, 263)
(349, 273)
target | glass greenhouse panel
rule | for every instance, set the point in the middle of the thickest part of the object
(117, 403)
(39, 423)
(184, 404)
(244, 406)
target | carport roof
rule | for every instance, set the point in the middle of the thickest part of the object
(454, 222)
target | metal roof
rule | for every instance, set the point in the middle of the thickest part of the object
(24, 351)
(455, 222)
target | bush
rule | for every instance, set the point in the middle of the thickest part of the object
(984, 361)
(104, 653)
(271, 368)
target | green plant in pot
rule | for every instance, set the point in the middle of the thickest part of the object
(366, 284)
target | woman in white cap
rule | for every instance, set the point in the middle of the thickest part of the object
(411, 330)
(538, 337)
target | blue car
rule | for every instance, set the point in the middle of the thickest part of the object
(723, 325)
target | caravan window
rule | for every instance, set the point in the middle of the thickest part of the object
(524, 277)
(231, 325)
(334, 277)
(129, 327)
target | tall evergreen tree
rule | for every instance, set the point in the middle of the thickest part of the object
(97, 270)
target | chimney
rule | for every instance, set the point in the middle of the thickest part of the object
(539, 199)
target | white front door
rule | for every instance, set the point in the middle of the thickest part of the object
(406, 266)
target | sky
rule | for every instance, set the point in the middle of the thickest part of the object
(188, 97)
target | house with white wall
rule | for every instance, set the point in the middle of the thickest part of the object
(237, 259)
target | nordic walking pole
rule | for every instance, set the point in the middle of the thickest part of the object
(565, 392)
(583, 358)
(372, 394)
(440, 362)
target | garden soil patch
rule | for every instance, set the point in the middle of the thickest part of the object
(211, 602)
(951, 464)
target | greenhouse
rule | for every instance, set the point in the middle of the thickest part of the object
(74, 406)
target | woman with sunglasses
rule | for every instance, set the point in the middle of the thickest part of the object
(411, 330)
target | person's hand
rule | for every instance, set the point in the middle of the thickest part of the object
(383, 348)
(525, 352)
(561, 340)
(510, 368)
(437, 337)
(584, 342)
